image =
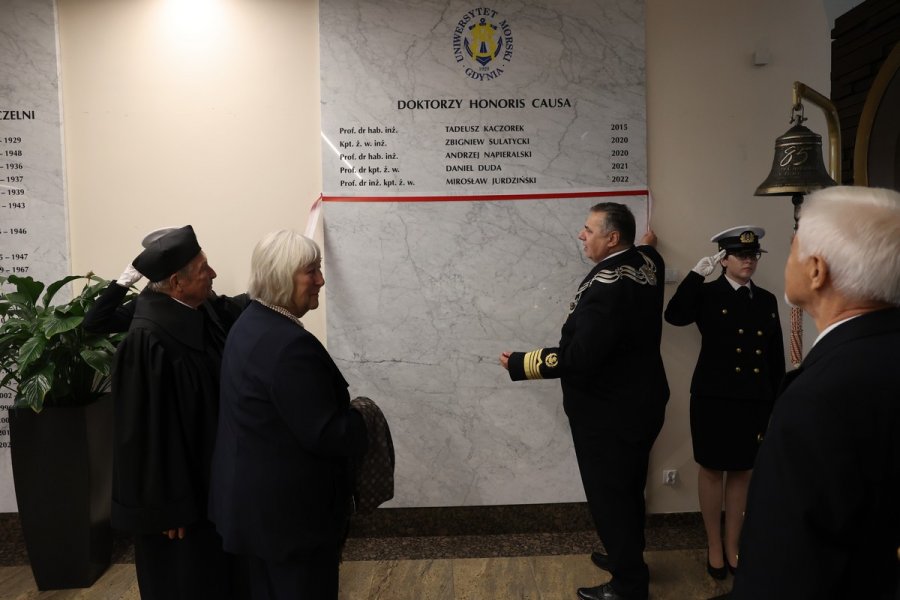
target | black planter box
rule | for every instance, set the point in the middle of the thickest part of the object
(62, 469)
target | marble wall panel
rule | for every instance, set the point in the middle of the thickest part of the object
(400, 91)
(422, 298)
(33, 227)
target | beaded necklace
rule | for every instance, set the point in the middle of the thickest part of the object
(282, 311)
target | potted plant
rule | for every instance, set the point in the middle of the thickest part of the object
(60, 427)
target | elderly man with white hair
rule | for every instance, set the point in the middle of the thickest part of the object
(823, 512)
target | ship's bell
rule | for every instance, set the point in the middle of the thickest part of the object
(797, 167)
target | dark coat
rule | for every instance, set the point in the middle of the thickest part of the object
(281, 476)
(742, 352)
(165, 386)
(608, 358)
(823, 509)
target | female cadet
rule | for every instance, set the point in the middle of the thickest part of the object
(733, 388)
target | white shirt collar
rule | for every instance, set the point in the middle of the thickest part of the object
(828, 329)
(736, 285)
(615, 254)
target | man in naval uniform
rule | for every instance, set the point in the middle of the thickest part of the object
(165, 388)
(614, 388)
(823, 510)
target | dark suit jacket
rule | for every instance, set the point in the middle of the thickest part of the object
(281, 479)
(742, 353)
(608, 358)
(823, 510)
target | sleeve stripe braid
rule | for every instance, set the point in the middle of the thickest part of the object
(532, 364)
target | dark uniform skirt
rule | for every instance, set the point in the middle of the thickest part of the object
(726, 431)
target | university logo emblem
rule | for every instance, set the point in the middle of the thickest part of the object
(482, 43)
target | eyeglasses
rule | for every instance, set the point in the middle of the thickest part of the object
(746, 255)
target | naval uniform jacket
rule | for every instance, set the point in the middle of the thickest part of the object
(741, 352)
(608, 358)
(823, 509)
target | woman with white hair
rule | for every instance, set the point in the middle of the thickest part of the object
(287, 439)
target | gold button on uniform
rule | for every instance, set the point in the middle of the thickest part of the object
(759, 333)
(740, 332)
(738, 350)
(756, 370)
(759, 438)
(758, 352)
(724, 311)
(737, 369)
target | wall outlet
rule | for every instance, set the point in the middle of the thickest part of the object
(670, 476)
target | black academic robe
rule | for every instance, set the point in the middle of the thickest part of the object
(823, 509)
(165, 386)
(110, 315)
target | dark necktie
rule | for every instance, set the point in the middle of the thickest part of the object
(744, 293)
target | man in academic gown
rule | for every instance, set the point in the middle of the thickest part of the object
(823, 510)
(111, 314)
(166, 392)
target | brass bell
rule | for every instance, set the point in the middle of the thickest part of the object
(797, 167)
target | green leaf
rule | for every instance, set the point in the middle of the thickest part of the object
(92, 290)
(98, 360)
(21, 302)
(30, 351)
(58, 322)
(33, 389)
(100, 344)
(44, 350)
(54, 287)
(27, 287)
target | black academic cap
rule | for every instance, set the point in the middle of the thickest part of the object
(167, 254)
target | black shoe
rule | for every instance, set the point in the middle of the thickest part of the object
(718, 573)
(731, 569)
(601, 592)
(601, 560)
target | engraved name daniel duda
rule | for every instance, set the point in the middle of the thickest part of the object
(482, 43)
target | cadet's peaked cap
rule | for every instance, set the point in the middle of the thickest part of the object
(167, 254)
(736, 239)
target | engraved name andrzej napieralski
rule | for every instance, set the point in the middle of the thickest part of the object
(482, 43)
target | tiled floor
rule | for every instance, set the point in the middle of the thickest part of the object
(516, 552)
(676, 575)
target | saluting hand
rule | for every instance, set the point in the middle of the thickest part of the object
(129, 277)
(708, 264)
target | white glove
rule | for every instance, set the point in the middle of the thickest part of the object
(129, 277)
(708, 264)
